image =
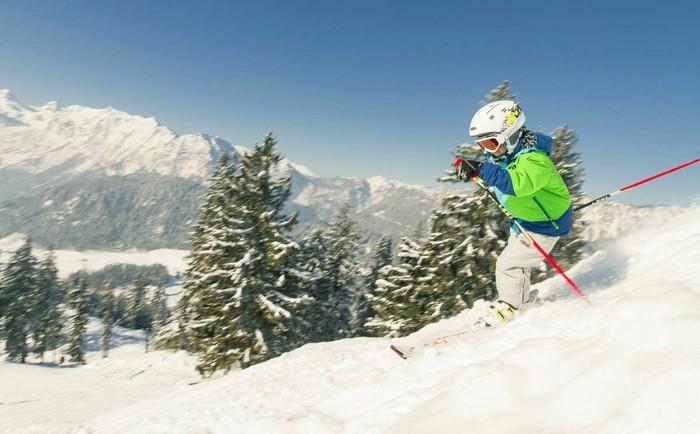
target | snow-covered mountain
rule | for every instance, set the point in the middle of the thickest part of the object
(625, 362)
(84, 177)
(76, 140)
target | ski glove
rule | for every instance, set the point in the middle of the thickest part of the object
(466, 169)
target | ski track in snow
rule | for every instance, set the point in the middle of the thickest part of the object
(628, 361)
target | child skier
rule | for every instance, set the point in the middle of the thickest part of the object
(526, 182)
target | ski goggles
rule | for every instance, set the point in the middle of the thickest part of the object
(489, 144)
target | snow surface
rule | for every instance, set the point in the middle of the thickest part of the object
(628, 361)
(42, 398)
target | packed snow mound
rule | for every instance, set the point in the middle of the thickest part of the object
(627, 361)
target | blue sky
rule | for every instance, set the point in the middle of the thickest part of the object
(365, 88)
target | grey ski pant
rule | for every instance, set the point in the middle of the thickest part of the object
(514, 264)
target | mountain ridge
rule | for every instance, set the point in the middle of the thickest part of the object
(50, 152)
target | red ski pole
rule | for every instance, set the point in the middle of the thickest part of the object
(638, 183)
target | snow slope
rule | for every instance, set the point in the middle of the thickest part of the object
(628, 361)
(42, 398)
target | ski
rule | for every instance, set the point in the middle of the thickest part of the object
(405, 352)
(399, 351)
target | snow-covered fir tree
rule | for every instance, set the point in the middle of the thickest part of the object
(138, 314)
(240, 301)
(77, 301)
(120, 307)
(208, 290)
(330, 255)
(398, 308)
(446, 274)
(18, 287)
(173, 335)
(3, 305)
(499, 93)
(107, 317)
(419, 233)
(441, 254)
(159, 310)
(47, 319)
(454, 271)
(215, 244)
(479, 234)
(382, 256)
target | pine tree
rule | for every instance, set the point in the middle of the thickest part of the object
(107, 316)
(499, 93)
(215, 244)
(18, 286)
(173, 334)
(77, 300)
(477, 233)
(237, 281)
(310, 325)
(120, 307)
(398, 307)
(47, 324)
(159, 310)
(382, 257)
(448, 255)
(331, 258)
(419, 233)
(3, 305)
(138, 314)
(467, 235)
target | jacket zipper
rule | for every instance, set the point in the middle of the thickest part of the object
(554, 224)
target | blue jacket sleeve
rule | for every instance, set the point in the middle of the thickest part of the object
(494, 175)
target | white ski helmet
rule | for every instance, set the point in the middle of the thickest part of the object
(497, 123)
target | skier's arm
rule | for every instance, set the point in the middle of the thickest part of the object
(494, 175)
(530, 173)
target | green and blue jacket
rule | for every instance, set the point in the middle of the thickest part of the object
(528, 184)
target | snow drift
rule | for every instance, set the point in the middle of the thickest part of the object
(628, 361)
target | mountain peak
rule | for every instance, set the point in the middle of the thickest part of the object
(380, 182)
(6, 94)
(9, 105)
(50, 106)
(110, 141)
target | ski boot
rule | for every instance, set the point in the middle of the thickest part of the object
(499, 312)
